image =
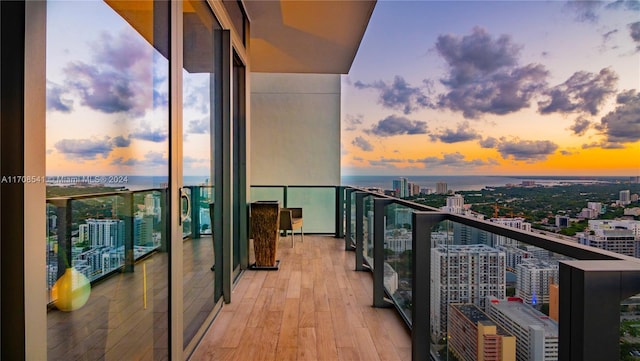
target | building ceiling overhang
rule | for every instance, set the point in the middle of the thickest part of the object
(306, 36)
(287, 36)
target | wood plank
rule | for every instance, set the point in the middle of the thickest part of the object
(325, 337)
(307, 344)
(289, 329)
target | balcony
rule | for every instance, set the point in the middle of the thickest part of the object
(319, 304)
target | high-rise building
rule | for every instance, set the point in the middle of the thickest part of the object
(597, 206)
(400, 186)
(533, 279)
(624, 197)
(474, 336)
(464, 274)
(441, 188)
(517, 222)
(105, 232)
(620, 236)
(455, 204)
(536, 334)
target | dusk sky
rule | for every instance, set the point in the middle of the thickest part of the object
(495, 88)
(437, 88)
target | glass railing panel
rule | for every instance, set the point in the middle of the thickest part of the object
(318, 207)
(367, 229)
(148, 229)
(398, 274)
(493, 277)
(203, 209)
(630, 329)
(268, 193)
(51, 247)
(353, 219)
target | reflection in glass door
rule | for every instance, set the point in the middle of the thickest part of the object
(199, 93)
(239, 161)
(107, 119)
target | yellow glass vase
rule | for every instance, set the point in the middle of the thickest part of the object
(71, 291)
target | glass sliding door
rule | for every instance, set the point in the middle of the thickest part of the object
(200, 52)
(107, 172)
(239, 162)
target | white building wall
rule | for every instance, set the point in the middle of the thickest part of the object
(295, 129)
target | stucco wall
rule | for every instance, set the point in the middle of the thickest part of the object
(295, 129)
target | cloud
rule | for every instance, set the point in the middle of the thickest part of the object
(565, 152)
(55, 100)
(151, 159)
(399, 94)
(623, 124)
(119, 78)
(489, 142)
(584, 10)
(484, 76)
(199, 126)
(603, 145)
(582, 92)
(462, 134)
(580, 126)
(385, 162)
(455, 160)
(634, 30)
(394, 125)
(89, 149)
(120, 142)
(363, 144)
(84, 149)
(526, 150)
(633, 5)
(353, 121)
(151, 135)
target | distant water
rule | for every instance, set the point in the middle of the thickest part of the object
(455, 183)
(470, 182)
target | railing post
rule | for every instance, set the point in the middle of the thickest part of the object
(379, 225)
(195, 211)
(340, 207)
(590, 296)
(360, 231)
(129, 232)
(63, 214)
(423, 222)
(348, 241)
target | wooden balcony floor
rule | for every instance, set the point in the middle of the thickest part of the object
(316, 307)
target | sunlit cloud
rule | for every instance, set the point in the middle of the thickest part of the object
(152, 135)
(634, 30)
(353, 121)
(526, 150)
(462, 134)
(454, 160)
(363, 144)
(385, 162)
(395, 125)
(56, 100)
(580, 126)
(151, 160)
(85, 149)
(484, 76)
(623, 124)
(584, 10)
(399, 94)
(582, 92)
(199, 126)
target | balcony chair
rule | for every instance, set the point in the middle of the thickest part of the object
(291, 219)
